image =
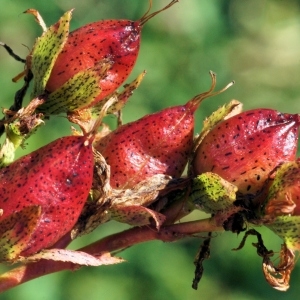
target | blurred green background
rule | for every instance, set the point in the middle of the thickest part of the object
(256, 43)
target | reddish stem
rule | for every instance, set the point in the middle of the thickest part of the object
(111, 243)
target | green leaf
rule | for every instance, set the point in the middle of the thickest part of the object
(78, 92)
(121, 98)
(16, 231)
(45, 51)
(211, 193)
(288, 228)
(224, 112)
(7, 153)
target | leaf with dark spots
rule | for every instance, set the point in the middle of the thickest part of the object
(78, 91)
(46, 50)
(211, 193)
(16, 231)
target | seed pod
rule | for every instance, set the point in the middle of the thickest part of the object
(160, 143)
(116, 40)
(56, 179)
(245, 148)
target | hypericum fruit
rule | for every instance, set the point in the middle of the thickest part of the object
(116, 40)
(56, 179)
(245, 148)
(160, 143)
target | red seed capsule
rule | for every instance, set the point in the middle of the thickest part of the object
(160, 143)
(117, 40)
(245, 148)
(57, 178)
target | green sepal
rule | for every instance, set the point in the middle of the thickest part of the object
(13, 140)
(45, 51)
(18, 130)
(224, 112)
(7, 153)
(121, 97)
(211, 193)
(287, 228)
(16, 231)
(78, 92)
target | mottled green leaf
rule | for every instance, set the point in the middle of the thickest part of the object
(288, 228)
(224, 112)
(45, 51)
(7, 153)
(121, 98)
(211, 193)
(16, 231)
(78, 91)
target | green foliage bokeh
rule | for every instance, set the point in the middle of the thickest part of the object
(256, 43)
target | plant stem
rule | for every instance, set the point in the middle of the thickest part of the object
(115, 242)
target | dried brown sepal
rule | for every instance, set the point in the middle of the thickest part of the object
(136, 215)
(79, 258)
(95, 211)
(279, 277)
(283, 193)
(25, 112)
(127, 205)
(38, 18)
(80, 117)
(279, 207)
(203, 253)
(145, 192)
(18, 128)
